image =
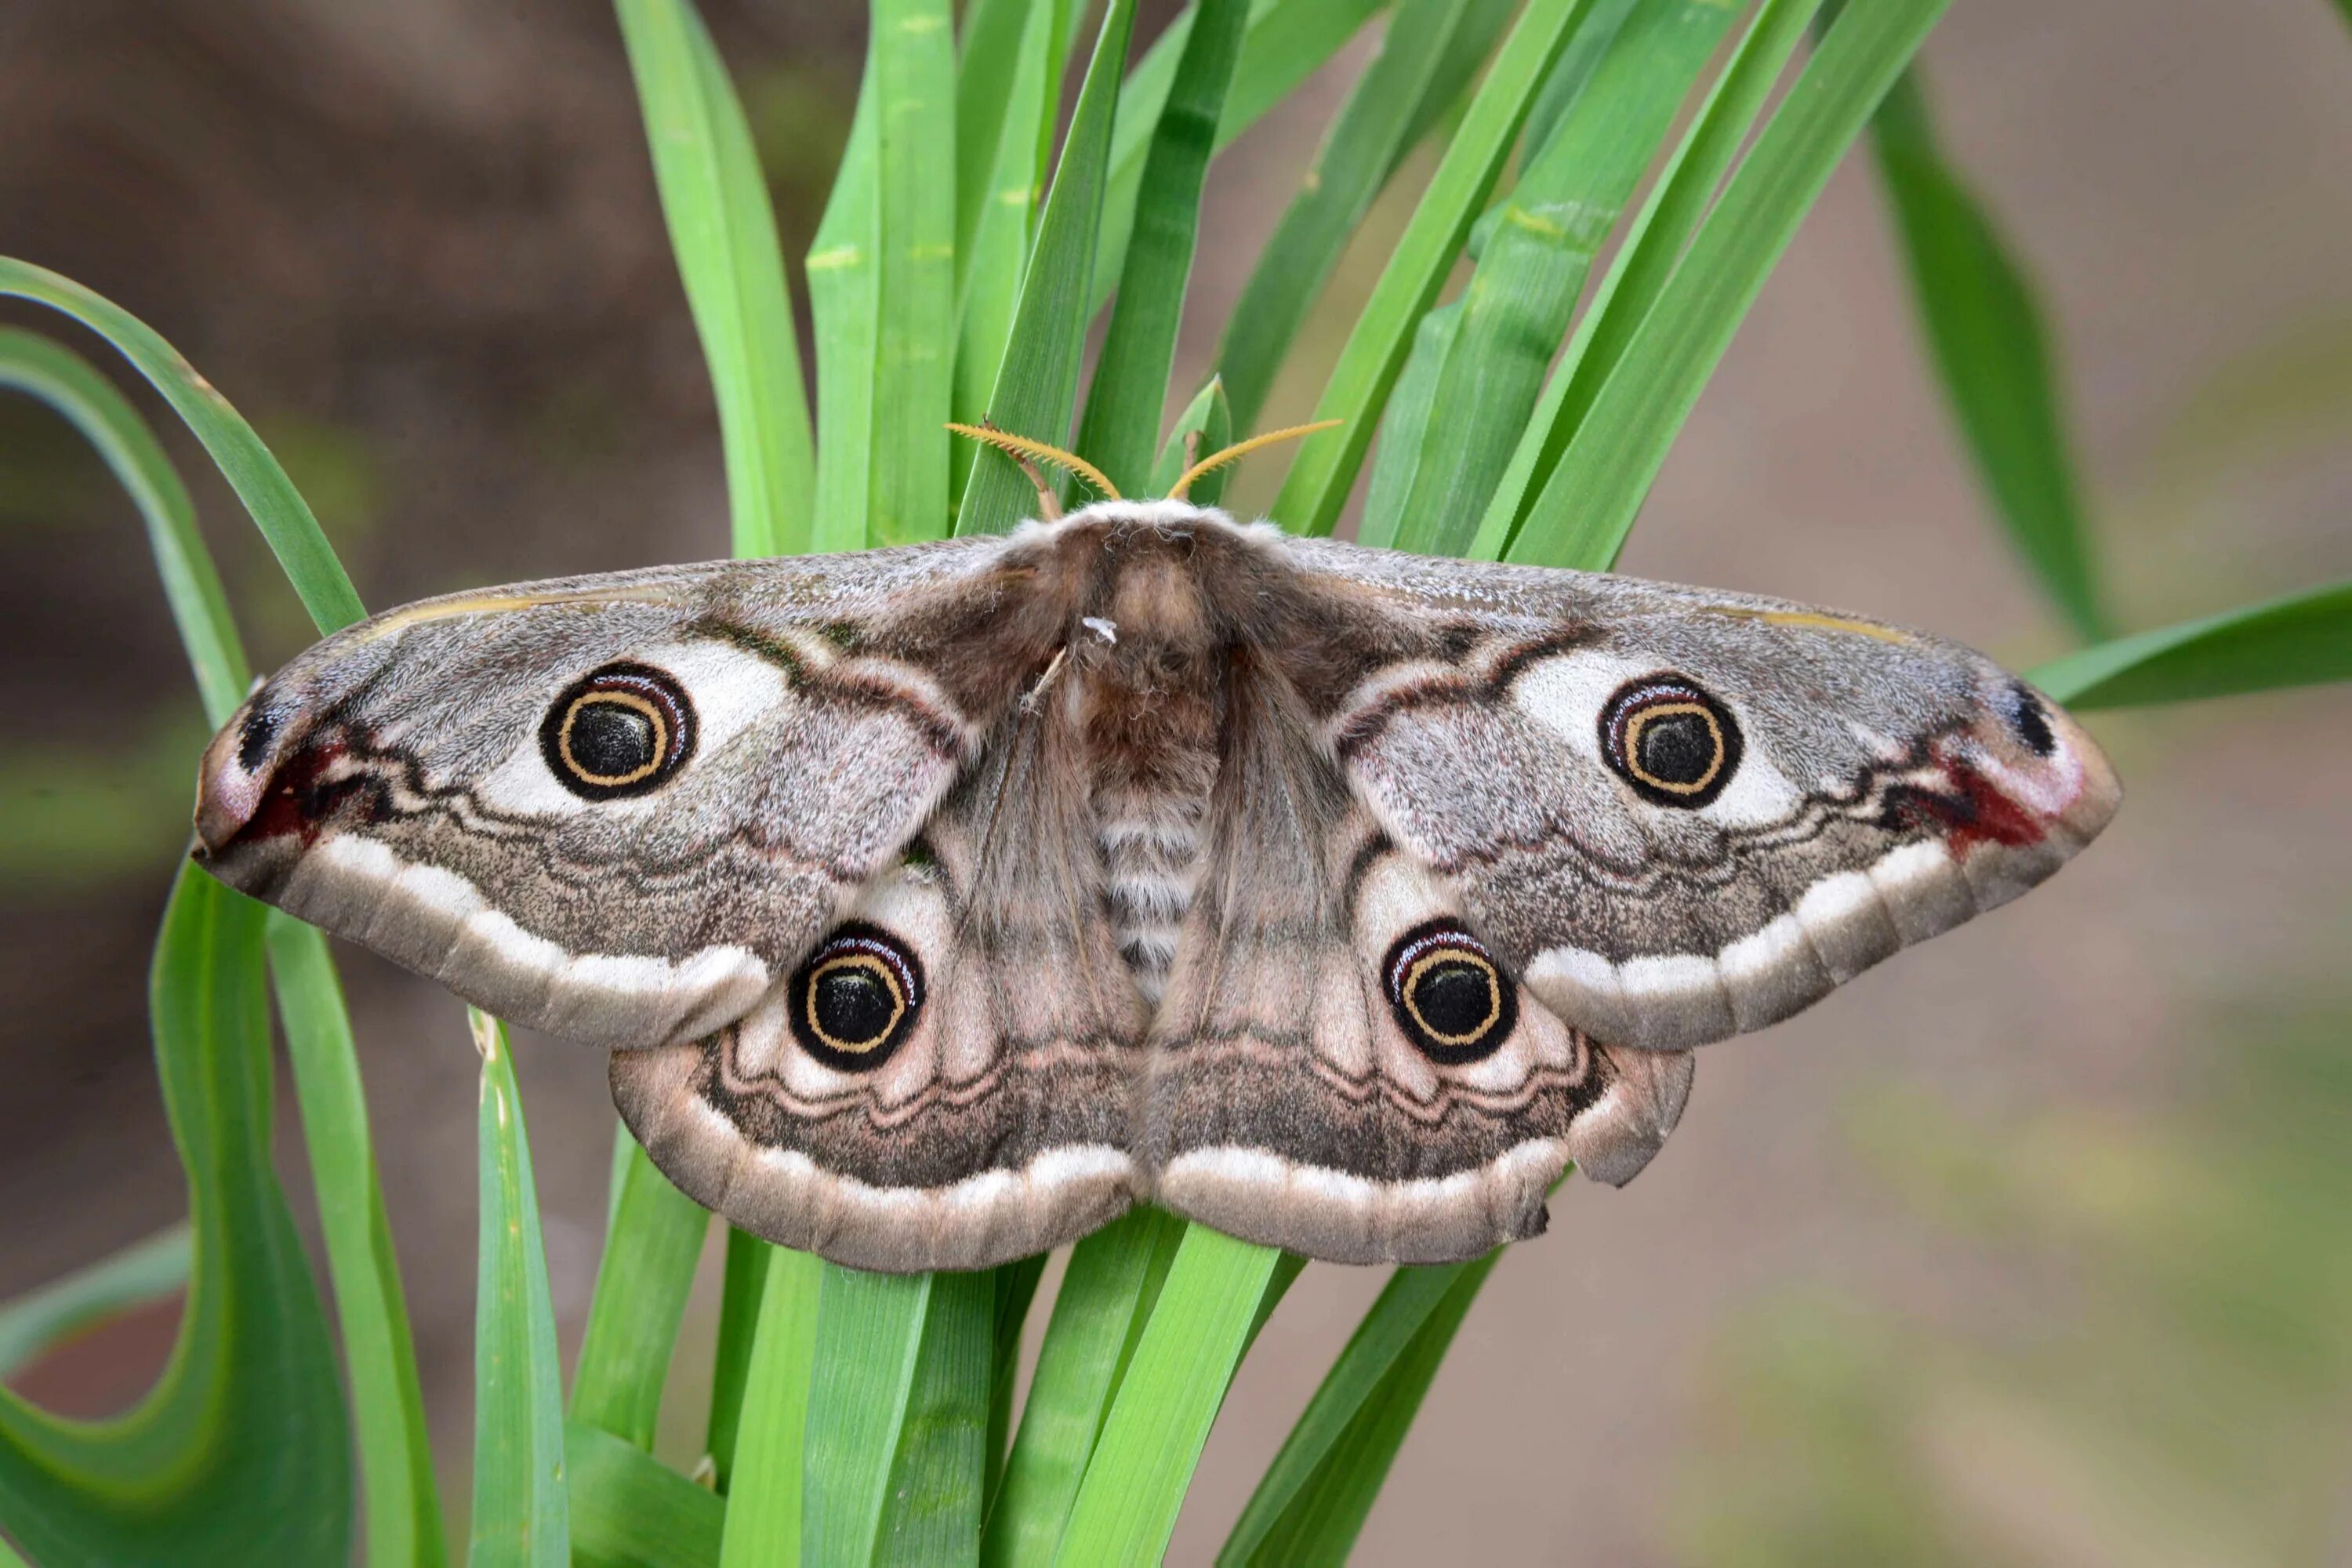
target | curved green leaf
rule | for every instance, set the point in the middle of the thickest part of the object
(68, 384)
(912, 58)
(1106, 1296)
(1985, 333)
(278, 509)
(898, 1416)
(2301, 639)
(241, 1453)
(1287, 41)
(1314, 1499)
(140, 1275)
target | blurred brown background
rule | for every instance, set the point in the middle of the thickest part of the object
(2030, 1247)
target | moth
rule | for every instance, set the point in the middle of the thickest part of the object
(936, 904)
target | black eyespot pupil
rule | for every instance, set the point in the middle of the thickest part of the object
(1678, 748)
(1456, 997)
(2033, 725)
(854, 1004)
(612, 740)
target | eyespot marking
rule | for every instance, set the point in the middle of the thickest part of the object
(1450, 997)
(619, 731)
(855, 998)
(1673, 741)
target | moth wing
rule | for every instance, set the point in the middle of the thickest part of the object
(1681, 815)
(998, 1124)
(1291, 1101)
(410, 783)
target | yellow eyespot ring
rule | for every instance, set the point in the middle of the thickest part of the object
(834, 994)
(1655, 721)
(1426, 972)
(1420, 971)
(599, 763)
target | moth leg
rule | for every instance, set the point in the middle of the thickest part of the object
(1049, 502)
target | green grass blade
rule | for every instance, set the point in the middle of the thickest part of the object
(1114, 1278)
(1427, 57)
(938, 1480)
(241, 1452)
(1287, 42)
(521, 1515)
(1538, 250)
(395, 1450)
(1120, 431)
(1036, 385)
(1412, 403)
(739, 1290)
(723, 232)
(766, 1489)
(1015, 1290)
(1588, 506)
(1000, 244)
(913, 57)
(1993, 354)
(1318, 484)
(277, 510)
(844, 303)
(1653, 244)
(68, 384)
(2301, 639)
(1211, 417)
(988, 58)
(642, 1284)
(897, 1418)
(631, 1510)
(1380, 1339)
(1126, 1506)
(1326, 1508)
(142, 1274)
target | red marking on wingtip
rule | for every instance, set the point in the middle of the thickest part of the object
(1973, 810)
(299, 797)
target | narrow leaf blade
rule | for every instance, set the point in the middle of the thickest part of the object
(1035, 391)
(722, 230)
(1588, 506)
(2301, 639)
(522, 1515)
(1992, 354)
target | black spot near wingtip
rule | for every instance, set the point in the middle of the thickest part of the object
(2031, 720)
(253, 738)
